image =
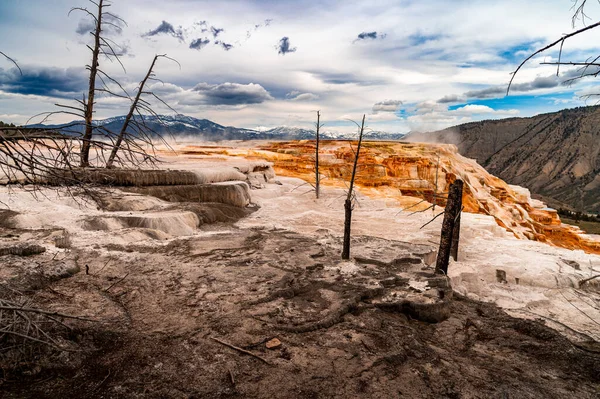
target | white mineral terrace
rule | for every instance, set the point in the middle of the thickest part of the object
(529, 279)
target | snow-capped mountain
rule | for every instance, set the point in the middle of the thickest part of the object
(187, 126)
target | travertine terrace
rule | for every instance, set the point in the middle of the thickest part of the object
(411, 172)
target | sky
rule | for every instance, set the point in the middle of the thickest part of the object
(409, 65)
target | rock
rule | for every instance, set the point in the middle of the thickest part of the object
(234, 193)
(23, 249)
(501, 276)
(273, 344)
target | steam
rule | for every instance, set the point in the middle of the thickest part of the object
(446, 136)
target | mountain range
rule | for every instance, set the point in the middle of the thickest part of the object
(204, 129)
(556, 155)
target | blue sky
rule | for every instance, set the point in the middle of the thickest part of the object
(408, 65)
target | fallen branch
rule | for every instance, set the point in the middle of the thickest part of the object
(576, 307)
(582, 282)
(31, 338)
(116, 282)
(241, 350)
(44, 312)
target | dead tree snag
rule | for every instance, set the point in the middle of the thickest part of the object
(348, 204)
(451, 215)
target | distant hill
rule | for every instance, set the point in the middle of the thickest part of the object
(203, 129)
(555, 155)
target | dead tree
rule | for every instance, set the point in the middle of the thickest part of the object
(89, 106)
(450, 228)
(55, 156)
(317, 176)
(137, 107)
(588, 68)
(101, 46)
(348, 203)
(28, 156)
(456, 228)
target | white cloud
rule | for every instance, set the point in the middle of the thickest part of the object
(469, 46)
(387, 106)
(476, 109)
(430, 116)
(295, 95)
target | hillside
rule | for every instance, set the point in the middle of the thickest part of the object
(555, 155)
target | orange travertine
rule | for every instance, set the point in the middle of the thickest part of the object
(408, 172)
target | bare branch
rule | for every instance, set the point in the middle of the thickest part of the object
(13, 61)
(549, 46)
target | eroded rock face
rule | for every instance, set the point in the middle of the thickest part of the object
(410, 172)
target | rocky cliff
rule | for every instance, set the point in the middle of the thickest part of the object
(556, 155)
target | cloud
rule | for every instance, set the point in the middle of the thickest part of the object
(85, 26)
(232, 93)
(452, 98)
(338, 78)
(539, 83)
(298, 96)
(383, 116)
(471, 109)
(415, 61)
(267, 22)
(418, 39)
(111, 25)
(489, 92)
(428, 115)
(387, 106)
(167, 29)
(198, 44)
(369, 36)
(124, 49)
(225, 46)
(45, 81)
(215, 31)
(546, 82)
(284, 46)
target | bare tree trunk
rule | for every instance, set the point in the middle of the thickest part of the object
(89, 107)
(451, 213)
(456, 231)
(349, 198)
(347, 225)
(317, 177)
(115, 149)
